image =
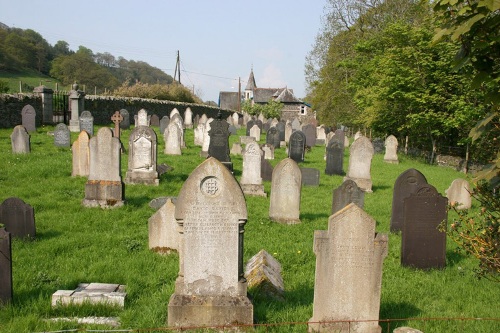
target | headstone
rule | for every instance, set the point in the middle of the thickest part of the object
(203, 119)
(232, 130)
(340, 134)
(211, 289)
(125, 124)
(263, 274)
(360, 160)
(345, 194)
(296, 124)
(163, 168)
(348, 278)
(142, 118)
(281, 129)
(174, 111)
(104, 187)
(5, 267)
(246, 139)
(251, 181)
(219, 142)
(357, 135)
(320, 135)
(155, 120)
(423, 245)
(285, 192)
(310, 133)
(172, 138)
(87, 122)
(407, 183)
(92, 293)
(310, 176)
(164, 122)
(334, 157)
(255, 132)
(198, 134)
(297, 146)
(260, 124)
(250, 124)
(76, 99)
(188, 118)
(18, 218)
(20, 140)
(81, 155)
(236, 149)
(28, 118)
(273, 137)
(116, 118)
(206, 138)
(235, 119)
(62, 136)
(288, 131)
(164, 236)
(346, 142)
(459, 194)
(268, 151)
(266, 126)
(142, 157)
(378, 145)
(266, 170)
(391, 150)
(177, 119)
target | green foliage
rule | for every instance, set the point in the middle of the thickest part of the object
(272, 109)
(4, 86)
(170, 92)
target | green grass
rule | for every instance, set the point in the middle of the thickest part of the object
(75, 244)
(29, 78)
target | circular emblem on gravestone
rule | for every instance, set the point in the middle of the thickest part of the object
(210, 186)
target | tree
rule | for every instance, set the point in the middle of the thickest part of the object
(61, 48)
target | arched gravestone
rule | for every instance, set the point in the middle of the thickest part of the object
(335, 157)
(20, 140)
(219, 142)
(164, 122)
(459, 194)
(347, 193)
(250, 124)
(125, 123)
(87, 122)
(172, 138)
(5, 267)
(142, 157)
(18, 218)
(273, 137)
(281, 129)
(391, 150)
(297, 146)
(286, 186)
(360, 159)
(62, 136)
(251, 180)
(407, 183)
(28, 118)
(210, 288)
(155, 120)
(81, 155)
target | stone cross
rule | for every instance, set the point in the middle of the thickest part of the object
(117, 118)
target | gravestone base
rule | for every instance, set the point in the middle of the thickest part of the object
(344, 327)
(142, 177)
(391, 161)
(364, 184)
(103, 193)
(284, 220)
(74, 125)
(188, 311)
(254, 189)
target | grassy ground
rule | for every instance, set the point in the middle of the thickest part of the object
(75, 244)
(28, 80)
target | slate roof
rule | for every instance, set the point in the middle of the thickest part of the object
(228, 100)
(287, 96)
(251, 85)
(263, 95)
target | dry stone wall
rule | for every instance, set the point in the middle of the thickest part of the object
(11, 106)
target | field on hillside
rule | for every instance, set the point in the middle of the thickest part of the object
(75, 244)
(28, 79)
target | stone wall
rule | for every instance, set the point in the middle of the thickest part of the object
(11, 106)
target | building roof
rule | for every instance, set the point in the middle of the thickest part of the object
(251, 85)
(264, 95)
(287, 96)
(228, 100)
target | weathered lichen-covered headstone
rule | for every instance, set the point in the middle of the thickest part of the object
(5, 267)
(423, 244)
(285, 192)
(172, 138)
(360, 161)
(273, 137)
(87, 122)
(251, 181)
(263, 274)
(28, 118)
(62, 136)
(211, 289)
(297, 146)
(104, 187)
(255, 132)
(348, 279)
(391, 150)
(458, 194)
(142, 118)
(164, 236)
(142, 157)
(407, 183)
(18, 218)
(81, 155)
(20, 140)
(345, 194)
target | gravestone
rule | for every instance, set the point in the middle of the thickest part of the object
(62, 136)
(174, 111)
(263, 274)
(266, 126)
(297, 146)
(335, 157)
(155, 120)
(110, 294)
(210, 289)
(142, 118)
(459, 194)
(20, 140)
(250, 124)
(18, 218)
(345, 194)
(296, 124)
(310, 133)
(348, 278)
(177, 119)
(273, 137)
(281, 129)
(203, 119)
(81, 155)
(116, 118)
(125, 124)
(378, 145)
(310, 176)
(164, 122)
(255, 132)
(28, 118)
(266, 170)
(104, 187)
(391, 150)
(246, 139)
(188, 118)
(288, 131)
(142, 157)
(360, 160)
(206, 138)
(320, 135)
(423, 245)
(236, 149)
(87, 122)
(340, 134)
(198, 134)
(236, 120)
(286, 185)
(232, 129)
(268, 151)
(172, 138)
(260, 125)
(251, 181)
(163, 235)
(357, 135)
(219, 142)
(407, 183)
(5, 267)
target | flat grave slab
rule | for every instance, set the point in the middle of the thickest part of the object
(93, 293)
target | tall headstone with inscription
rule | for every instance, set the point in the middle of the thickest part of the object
(172, 138)
(20, 140)
(5, 267)
(142, 118)
(407, 183)
(198, 134)
(251, 181)
(125, 124)
(142, 157)
(348, 279)
(177, 119)
(459, 194)
(163, 233)
(18, 218)
(273, 137)
(28, 118)
(219, 142)
(360, 161)
(87, 122)
(211, 289)
(297, 146)
(81, 155)
(345, 194)
(391, 150)
(104, 187)
(62, 136)
(188, 118)
(286, 186)
(335, 157)
(423, 244)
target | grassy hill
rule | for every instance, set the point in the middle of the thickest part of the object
(28, 79)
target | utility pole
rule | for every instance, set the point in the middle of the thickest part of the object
(239, 94)
(177, 71)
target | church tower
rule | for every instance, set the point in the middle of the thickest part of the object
(250, 86)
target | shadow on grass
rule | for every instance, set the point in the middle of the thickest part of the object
(396, 311)
(314, 216)
(380, 187)
(453, 258)
(47, 234)
(137, 201)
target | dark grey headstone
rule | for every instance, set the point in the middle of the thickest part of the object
(164, 122)
(250, 124)
(347, 193)
(163, 168)
(125, 123)
(155, 121)
(297, 146)
(5, 267)
(259, 123)
(62, 136)
(28, 118)
(273, 137)
(340, 134)
(407, 183)
(335, 157)
(267, 125)
(87, 122)
(423, 245)
(266, 170)
(310, 133)
(18, 218)
(219, 142)
(378, 145)
(281, 129)
(310, 176)
(232, 130)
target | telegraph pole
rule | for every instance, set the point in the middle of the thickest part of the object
(177, 71)
(239, 94)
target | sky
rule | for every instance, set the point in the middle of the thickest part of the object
(219, 41)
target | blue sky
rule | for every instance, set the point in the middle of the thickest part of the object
(218, 40)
